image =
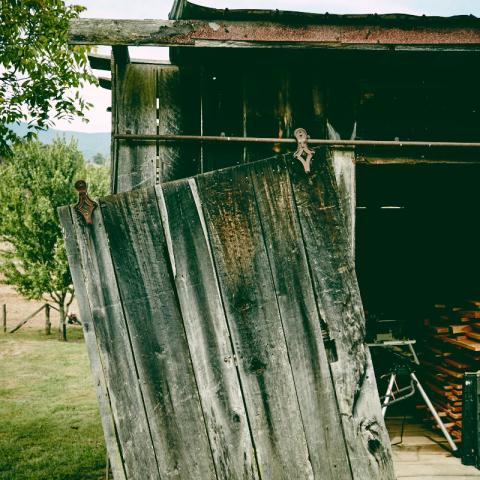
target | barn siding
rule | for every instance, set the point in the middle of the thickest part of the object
(268, 359)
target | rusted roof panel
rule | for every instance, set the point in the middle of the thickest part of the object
(184, 10)
(334, 34)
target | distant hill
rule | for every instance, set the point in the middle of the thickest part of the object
(88, 143)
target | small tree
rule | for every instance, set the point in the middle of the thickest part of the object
(36, 180)
(39, 72)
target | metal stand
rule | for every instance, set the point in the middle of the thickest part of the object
(404, 366)
(409, 343)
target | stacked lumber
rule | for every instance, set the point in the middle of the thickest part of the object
(450, 347)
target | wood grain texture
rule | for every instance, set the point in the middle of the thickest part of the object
(113, 339)
(252, 313)
(268, 108)
(119, 59)
(207, 332)
(178, 113)
(222, 114)
(141, 260)
(114, 448)
(229, 327)
(300, 319)
(343, 161)
(136, 112)
(338, 299)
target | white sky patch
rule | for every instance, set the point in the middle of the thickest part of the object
(100, 119)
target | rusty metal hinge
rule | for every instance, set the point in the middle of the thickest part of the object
(85, 205)
(303, 149)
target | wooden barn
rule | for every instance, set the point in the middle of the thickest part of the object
(218, 283)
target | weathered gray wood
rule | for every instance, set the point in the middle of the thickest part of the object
(135, 98)
(105, 82)
(301, 323)
(100, 61)
(177, 9)
(252, 313)
(207, 332)
(103, 398)
(189, 33)
(114, 346)
(141, 260)
(268, 109)
(178, 113)
(343, 161)
(222, 114)
(169, 121)
(338, 299)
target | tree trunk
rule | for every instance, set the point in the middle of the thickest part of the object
(63, 322)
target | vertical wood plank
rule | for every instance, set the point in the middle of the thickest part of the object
(339, 304)
(96, 288)
(136, 112)
(222, 114)
(207, 332)
(103, 398)
(178, 114)
(268, 108)
(343, 161)
(252, 313)
(141, 260)
(119, 59)
(301, 323)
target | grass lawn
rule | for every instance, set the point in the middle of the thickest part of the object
(49, 423)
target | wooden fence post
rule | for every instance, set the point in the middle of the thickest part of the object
(48, 324)
(4, 315)
(63, 324)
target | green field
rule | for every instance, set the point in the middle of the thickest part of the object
(49, 422)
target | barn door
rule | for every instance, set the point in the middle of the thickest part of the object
(228, 328)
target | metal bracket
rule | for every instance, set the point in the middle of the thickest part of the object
(85, 205)
(303, 149)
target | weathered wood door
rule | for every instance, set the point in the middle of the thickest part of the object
(225, 328)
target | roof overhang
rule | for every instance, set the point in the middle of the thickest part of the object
(263, 34)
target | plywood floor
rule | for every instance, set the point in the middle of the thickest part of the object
(424, 455)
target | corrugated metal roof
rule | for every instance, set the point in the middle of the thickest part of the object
(184, 10)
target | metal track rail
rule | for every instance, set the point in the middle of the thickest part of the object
(311, 141)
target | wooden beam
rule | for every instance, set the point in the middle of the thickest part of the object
(263, 34)
(99, 61)
(362, 159)
(105, 82)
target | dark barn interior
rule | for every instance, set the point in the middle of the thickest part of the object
(416, 239)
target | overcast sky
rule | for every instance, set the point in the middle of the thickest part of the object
(100, 119)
